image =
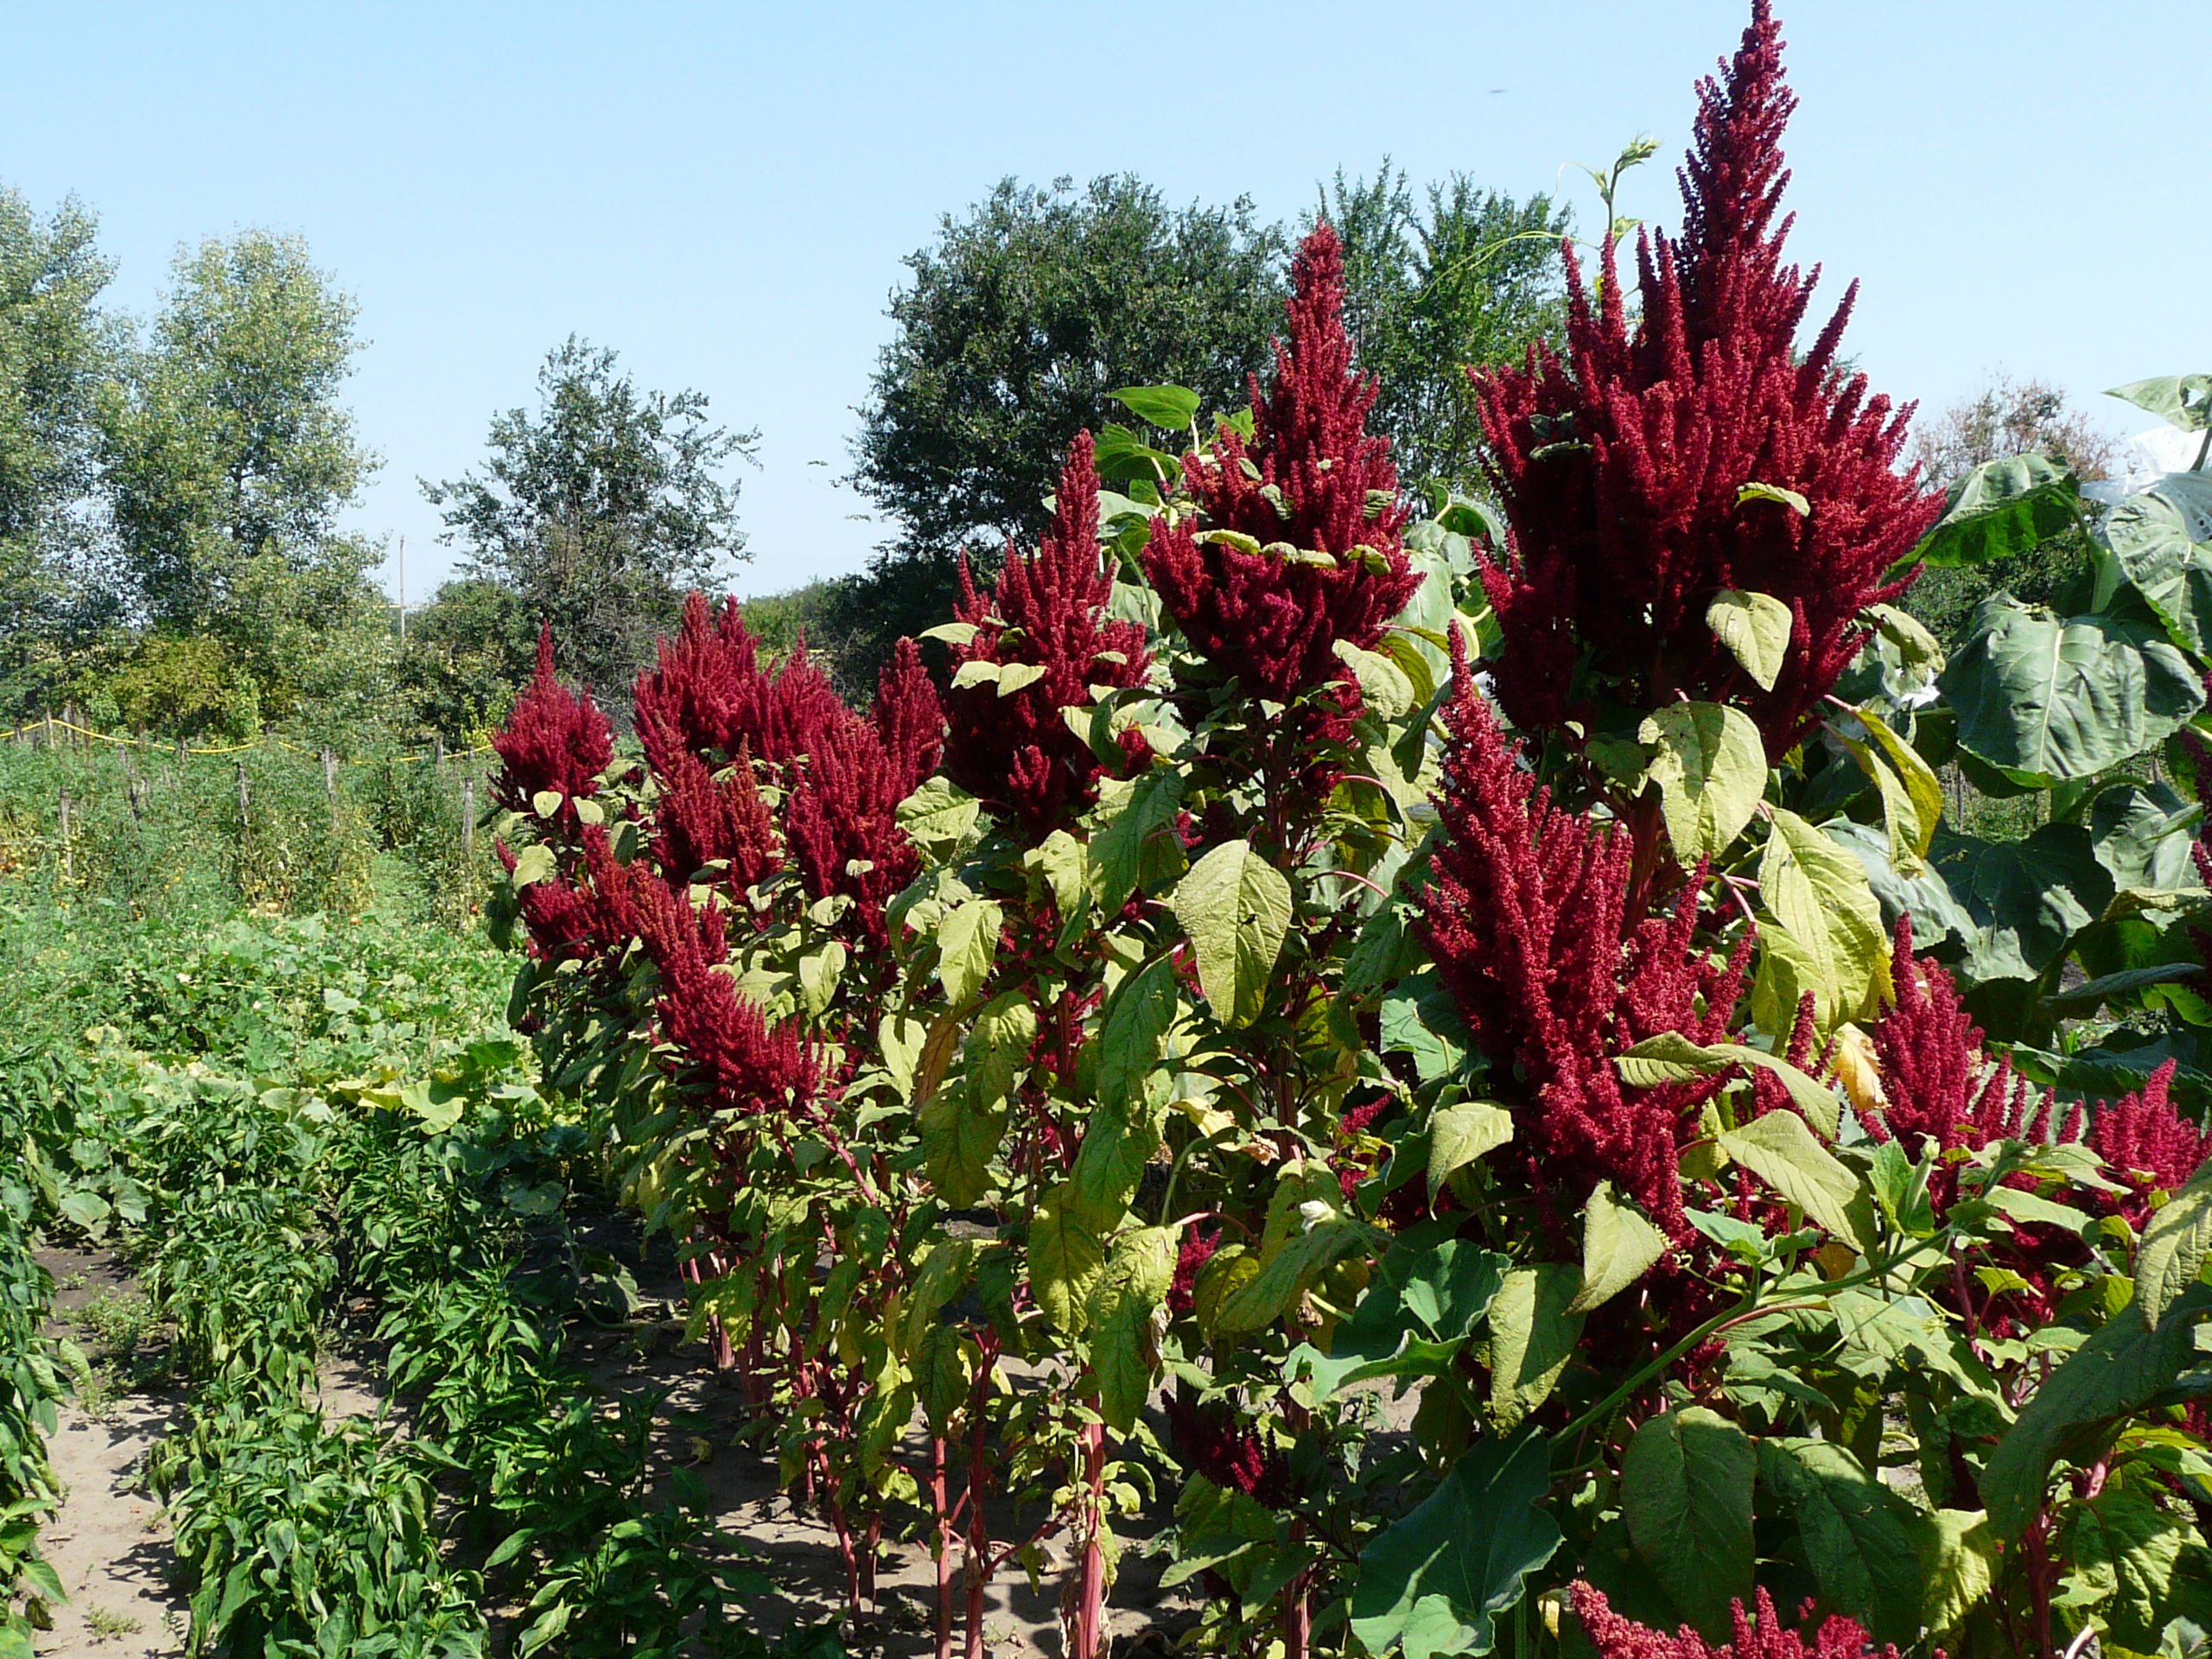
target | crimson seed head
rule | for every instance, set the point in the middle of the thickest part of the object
(1759, 1634)
(1313, 482)
(1016, 750)
(1527, 919)
(2147, 1146)
(1622, 464)
(552, 739)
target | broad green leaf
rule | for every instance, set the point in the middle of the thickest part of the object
(1781, 1151)
(943, 1273)
(1122, 455)
(1066, 1259)
(1687, 1485)
(944, 1364)
(1460, 1134)
(1819, 895)
(1619, 1247)
(1756, 628)
(2001, 508)
(1532, 1337)
(2144, 835)
(1134, 1033)
(2045, 700)
(1936, 914)
(2174, 1248)
(1130, 813)
(1172, 407)
(2028, 899)
(1415, 1318)
(1117, 1142)
(1382, 684)
(1287, 1274)
(2157, 541)
(1235, 907)
(1059, 858)
(951, 634)
(2123, 1549)
(1711, 769)
(2119, 1370)
(1122, 1364)
(1434, 1582)
(1857, 1532)
(1958, 1563)
(968, 943)
(2181, 400)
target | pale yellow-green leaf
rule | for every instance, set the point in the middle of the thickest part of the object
(1958, 1561)
(1382, 684)
(1755, 491)
(1756, 628)
(1059, 858)
(547, 802)
(981, 671)
(1618, 1247)
(535, 862)
(1819, 894)
(1781, 1151)
(1532, 1337)
(968, 943)
(1235, 907)
(1014, 675)
(1066, 1259)
(939, 815)
(1459, 1134)
(1711, 770)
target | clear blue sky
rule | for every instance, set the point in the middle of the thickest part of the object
(723, 194)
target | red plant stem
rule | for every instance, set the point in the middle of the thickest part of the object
(944, 1542)
(1091, 1591)
(2036, 1546)
(1297, 1610)
(978, 1565)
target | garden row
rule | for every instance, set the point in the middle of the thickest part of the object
(297, 1134)
(1513, 963)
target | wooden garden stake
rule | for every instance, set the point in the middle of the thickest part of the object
(68, 860)
(330, 786)
(468, 821)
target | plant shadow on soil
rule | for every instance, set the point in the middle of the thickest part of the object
(110, 1543)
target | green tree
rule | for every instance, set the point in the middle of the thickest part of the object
(466, 652)
(1468, 279)
(55, 354)
(1013, 327)
(596, 513)
(228, 459)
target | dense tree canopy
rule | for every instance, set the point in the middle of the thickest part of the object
(1468, 277)
(1022, 320)
(597, 513)
(54, 356)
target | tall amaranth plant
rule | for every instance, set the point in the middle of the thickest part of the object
(1648, 473)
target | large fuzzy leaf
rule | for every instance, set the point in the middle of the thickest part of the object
(2046, 699)
(1435, 1581)
(1686, 1491)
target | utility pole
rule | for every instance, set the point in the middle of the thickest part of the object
(402, 593)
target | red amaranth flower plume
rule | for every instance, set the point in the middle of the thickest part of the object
(1759, 1635)
(1937, 1081)
(908, 718)
(700, 820)
(2147, 1146)
(1313, 481)
(726, 1043)
(840, 823)
(1048, 611)
(1527, 920)
(708, 692)
(1621, 465)
(1207, 1439)
(552, 740)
